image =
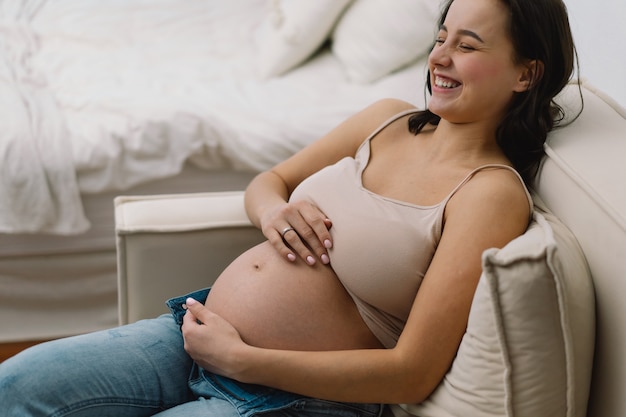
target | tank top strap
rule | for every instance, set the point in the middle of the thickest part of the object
(492, 166)
(388, 122)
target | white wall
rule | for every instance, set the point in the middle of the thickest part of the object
(599, 28)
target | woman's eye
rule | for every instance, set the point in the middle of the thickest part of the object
(465, 47)
(439, 41)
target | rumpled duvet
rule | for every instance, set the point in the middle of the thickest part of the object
(38, 187)
(102, 95)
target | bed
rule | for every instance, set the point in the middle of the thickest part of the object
(100, 99)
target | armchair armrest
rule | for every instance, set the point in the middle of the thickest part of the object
(168, 245)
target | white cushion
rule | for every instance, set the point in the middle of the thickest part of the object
(374, 37)
(528, 347)
(293, 31)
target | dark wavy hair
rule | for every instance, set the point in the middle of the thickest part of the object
(539, 30)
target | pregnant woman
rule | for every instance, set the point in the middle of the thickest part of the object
(361, 293)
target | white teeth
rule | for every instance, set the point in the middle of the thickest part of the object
(445, 84)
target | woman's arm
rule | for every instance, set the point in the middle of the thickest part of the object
(267, 195)
(488, 211)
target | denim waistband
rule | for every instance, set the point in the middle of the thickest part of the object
(250, 399)
(178, 307)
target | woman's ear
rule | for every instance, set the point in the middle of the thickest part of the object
(532, 71)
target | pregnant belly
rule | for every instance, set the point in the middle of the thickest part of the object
(277, 304)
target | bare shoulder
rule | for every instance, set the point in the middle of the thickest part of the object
(494, 201)
(377, 113)
(503, 187)
(390, 106)
(360, 125)
(381, 110)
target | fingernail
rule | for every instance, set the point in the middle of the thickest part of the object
(291, 257)
(328, 244)
(190, 301)
(310, 260)
(325, 259)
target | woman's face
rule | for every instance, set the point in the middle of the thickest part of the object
(472, 68)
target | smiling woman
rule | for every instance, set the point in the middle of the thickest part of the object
(365, 300)
(476, 70)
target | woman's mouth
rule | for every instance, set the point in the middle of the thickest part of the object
(446, 82)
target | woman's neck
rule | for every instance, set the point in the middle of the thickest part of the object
(465, 142)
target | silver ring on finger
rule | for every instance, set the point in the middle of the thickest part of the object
(285, 230)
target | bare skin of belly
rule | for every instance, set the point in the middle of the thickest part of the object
(277, 304)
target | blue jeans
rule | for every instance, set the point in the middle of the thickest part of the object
(141, 369)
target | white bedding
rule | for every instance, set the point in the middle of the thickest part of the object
(103, 95)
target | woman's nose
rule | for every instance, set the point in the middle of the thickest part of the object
(439, 55)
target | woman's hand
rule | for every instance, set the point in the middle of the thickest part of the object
(210, 340)
(299, 227)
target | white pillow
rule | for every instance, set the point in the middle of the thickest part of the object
(292, 31)
(528, 348)
(375, 37)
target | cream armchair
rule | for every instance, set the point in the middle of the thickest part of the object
(169, 245)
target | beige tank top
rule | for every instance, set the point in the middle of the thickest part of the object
(381, 247)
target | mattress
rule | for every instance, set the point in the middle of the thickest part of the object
(100, 213)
